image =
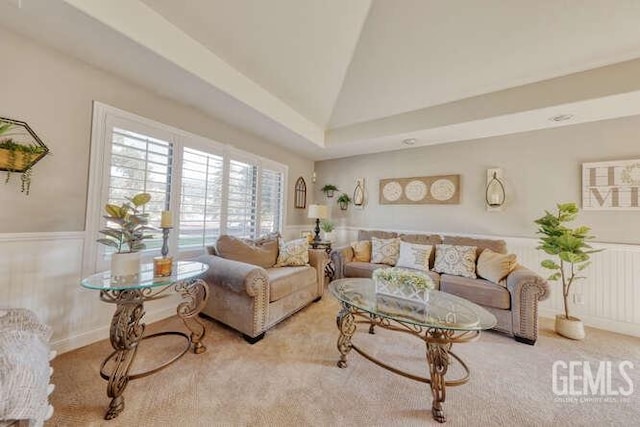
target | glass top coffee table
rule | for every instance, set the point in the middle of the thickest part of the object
(440, 321)
(127, 330)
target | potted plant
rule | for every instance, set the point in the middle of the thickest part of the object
(344, 201)
(327, 228)
(329, 189)
(569, 247)
(125, 231)
(18, 156)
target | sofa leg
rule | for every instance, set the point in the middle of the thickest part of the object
(253, 340)
(525, 340)
(317, 299)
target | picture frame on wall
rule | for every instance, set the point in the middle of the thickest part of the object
(611, 186)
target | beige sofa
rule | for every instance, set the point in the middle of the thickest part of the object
(515, 305)
(252, 299)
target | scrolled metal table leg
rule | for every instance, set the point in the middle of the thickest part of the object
(126, 333)
(194, 294)
(347, 325)
(438, 358)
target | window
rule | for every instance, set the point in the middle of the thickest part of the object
(212, 189)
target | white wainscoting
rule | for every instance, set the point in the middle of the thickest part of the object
(610, 293)
(42, 272)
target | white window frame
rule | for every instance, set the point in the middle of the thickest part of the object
(105, 117)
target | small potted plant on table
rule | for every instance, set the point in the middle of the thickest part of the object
(125, 231)
(327, 228)
(570, 248)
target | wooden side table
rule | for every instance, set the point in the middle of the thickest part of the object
(127, 330)
(329, 269)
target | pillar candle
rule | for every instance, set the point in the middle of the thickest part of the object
(166, 221)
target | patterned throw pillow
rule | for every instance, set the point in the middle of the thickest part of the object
(415, 256)
(494, 266)
(456, 260)
(385, 251)
(361, 251)
(295, 252)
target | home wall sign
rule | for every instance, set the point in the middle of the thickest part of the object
(433, 190)
(611, 185)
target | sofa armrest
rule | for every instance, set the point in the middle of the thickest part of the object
(235, 275)
(526, 289)
(340, 256)
(318, 260)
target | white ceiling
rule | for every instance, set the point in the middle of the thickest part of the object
(331, 78)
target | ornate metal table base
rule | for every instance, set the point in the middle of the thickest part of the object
(438, 350)
(127, 332)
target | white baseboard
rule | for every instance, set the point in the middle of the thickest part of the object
(76, 341)
(624, 328)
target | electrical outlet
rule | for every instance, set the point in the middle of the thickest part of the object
(578, 299)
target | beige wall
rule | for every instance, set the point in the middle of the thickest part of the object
(53, 93)
(540, 168)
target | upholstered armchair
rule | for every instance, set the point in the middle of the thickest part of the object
(252, 299)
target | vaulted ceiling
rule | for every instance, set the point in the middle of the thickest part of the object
(332, 78)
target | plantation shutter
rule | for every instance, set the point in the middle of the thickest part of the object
(271, 200)
(141, 164)
(200, 199)
(241, 205)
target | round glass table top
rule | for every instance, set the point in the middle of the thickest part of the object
(181, 270)
(440, 310)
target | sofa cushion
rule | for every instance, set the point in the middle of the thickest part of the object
(360, 269)
(456, 260)
(499, 246)
(424, 239)
(478, 291)
(361, 250)
(368, 234)
(413, 255)
(365, 269)
(262, 254)
(284, 281)
(385, 251)
(494, 266)
(293, 253)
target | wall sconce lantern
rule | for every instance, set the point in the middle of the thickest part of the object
(495, 194)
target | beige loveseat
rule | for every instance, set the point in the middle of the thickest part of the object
(515, 304)
(252, 299)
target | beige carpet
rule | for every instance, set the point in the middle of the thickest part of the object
(291, 378)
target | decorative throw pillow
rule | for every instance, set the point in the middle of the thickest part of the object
(262, 253)
(361, 251)
(295, 252)
(415, 256)
(456, 260)
(385, 251)
(494, 266)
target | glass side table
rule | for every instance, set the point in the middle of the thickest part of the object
(127, 330)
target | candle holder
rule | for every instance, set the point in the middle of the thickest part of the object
(165, 241)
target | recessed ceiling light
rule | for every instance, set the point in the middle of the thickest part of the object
(561, 117)
(409, 141)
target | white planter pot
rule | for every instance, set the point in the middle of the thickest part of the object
(569, 328)
(329, 236)
(125, 268)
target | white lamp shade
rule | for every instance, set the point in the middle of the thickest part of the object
(318, 211)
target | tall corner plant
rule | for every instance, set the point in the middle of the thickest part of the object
(568, 245)
(129, 225)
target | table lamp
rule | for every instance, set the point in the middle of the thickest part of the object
(318, 212)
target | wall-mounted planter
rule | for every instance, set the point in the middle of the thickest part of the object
(20, 149)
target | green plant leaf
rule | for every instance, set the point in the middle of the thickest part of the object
(108, 242)
(550, 264)
(141, 199)
(583, 266)
(113, 211)
(554, 276)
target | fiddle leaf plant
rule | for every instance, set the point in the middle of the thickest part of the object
(127, 225)
(567, 245)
